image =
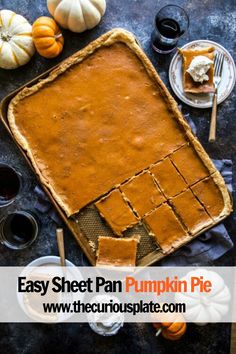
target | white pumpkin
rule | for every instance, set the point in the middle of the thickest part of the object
(205, 307)
(16, 43)
(77, 15)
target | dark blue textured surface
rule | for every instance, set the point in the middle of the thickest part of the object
(209, 19)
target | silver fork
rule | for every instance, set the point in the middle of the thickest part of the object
(218, 68)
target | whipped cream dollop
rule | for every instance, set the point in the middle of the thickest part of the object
(199, 67)
(106, 329)
(105, 324)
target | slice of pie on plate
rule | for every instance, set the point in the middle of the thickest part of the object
(205, 82)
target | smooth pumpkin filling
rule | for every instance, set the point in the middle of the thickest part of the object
(142, 193)
(171, 182)
(116, 211)
(97, 125)
(191, 212)
(117, 252)
(164, 226)
(209, 195)
(189, 165)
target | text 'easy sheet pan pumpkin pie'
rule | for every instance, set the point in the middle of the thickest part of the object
(102, 128)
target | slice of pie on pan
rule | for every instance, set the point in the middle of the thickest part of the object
(120, 252)
(198, 69)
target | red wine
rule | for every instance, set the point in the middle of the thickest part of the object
(168, 28)
(171, 22)
(9, 184)
(20, 228)
(165, 37)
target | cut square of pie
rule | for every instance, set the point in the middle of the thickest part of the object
(142, 193)
(116, 211)
(191, 212)
(188, 83)
(168, 177)
(210, 196)
(189, 164)
(164, 226)
(117, 251)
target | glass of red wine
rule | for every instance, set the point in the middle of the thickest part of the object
(10, 184)
(171, 22)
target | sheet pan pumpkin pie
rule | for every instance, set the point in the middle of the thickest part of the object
(102, 128)
(97, 120)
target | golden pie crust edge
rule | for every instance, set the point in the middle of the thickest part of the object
(107, 39)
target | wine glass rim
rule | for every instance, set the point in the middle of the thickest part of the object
(173, 5)
(7, 165)
(19, 176)
(4, 164)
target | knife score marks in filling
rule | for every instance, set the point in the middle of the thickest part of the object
(99, 119)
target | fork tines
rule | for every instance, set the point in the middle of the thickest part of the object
(218, 63)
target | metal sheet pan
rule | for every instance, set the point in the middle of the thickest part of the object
(87, 225)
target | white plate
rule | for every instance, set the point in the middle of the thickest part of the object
(50, 261)
(46, 261)
(202, 100)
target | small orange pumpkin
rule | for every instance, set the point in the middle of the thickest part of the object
(47, 37)
(171, 330)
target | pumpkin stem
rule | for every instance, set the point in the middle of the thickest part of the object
(159, 331)
(5, 36)
(59, 35)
